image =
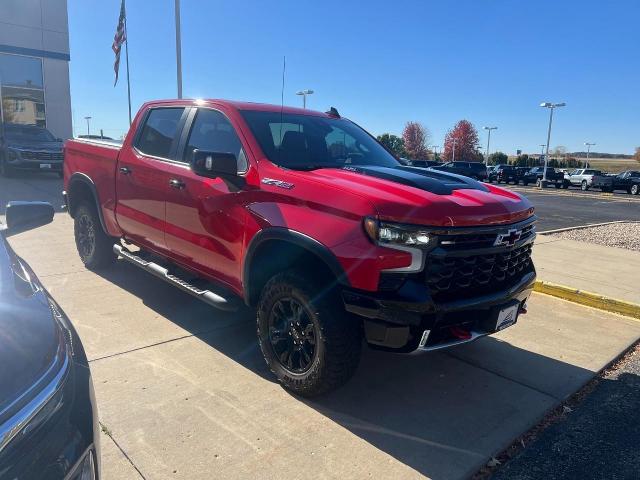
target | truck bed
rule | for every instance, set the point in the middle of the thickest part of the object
(97, 160)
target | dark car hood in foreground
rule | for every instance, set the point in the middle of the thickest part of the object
(429, 197)
(36, 146)
(30, 337)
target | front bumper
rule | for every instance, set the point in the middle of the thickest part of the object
(35, 165)
(398, 320)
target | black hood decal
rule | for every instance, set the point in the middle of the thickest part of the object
(432, 181)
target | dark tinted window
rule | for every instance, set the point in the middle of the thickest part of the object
(159, 130)
(476, 166)
(212, 131)
(306, 142)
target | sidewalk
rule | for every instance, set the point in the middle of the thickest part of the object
(607, 271)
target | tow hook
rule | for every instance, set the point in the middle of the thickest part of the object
(460, 333)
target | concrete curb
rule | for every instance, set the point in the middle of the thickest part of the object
(589, 299)
(580, 227)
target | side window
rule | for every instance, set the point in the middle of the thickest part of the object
(212, 131)
(158, 132)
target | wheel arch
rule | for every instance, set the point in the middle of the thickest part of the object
(80, 188)
(276, 249)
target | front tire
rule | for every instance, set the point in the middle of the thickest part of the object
(583, 186)
(308, 341)
(94, 246)
(635, 189)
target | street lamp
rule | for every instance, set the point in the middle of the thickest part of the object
(435, 150)
(589, 145)
(486, 161)
(551, 107)
(542, 145)
(88, 119)
(304, 94)
(455, 140)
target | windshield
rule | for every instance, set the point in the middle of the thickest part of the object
(305, 142)
(26, 133)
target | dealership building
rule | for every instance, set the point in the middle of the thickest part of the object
(34, 64)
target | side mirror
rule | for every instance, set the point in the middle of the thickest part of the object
(214, 164)
(23, 216)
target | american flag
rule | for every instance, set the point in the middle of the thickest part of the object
(119, 38)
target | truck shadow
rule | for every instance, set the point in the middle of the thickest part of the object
(29, 186)
(440, 414)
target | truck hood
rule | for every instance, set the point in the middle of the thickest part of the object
(53, 147)
(30, 337)
(428, 197)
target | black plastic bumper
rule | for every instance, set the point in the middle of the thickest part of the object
(397, 320)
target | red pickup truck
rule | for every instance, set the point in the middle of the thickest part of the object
(305, 217)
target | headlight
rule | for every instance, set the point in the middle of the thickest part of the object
(395, 233)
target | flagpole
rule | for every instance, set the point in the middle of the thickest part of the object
(126, 49)
(178, 49)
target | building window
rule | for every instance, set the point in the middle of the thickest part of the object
(22, 89)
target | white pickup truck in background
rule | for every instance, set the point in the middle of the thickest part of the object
(582, 177)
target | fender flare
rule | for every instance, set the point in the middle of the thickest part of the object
(86, 180)
(298, 239)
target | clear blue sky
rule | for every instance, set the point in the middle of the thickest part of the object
(380, 63)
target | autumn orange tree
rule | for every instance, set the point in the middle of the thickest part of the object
(415, 137)
(465, 137)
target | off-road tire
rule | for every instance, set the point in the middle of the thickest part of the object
(94, 246)
(338, 335)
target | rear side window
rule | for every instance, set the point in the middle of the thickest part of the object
(212, 132)
(159, 131)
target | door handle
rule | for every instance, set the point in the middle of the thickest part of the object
(125, 170)
(175, 183)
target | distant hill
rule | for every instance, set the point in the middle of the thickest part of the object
(598, 155)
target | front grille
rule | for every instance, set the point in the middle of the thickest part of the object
(42, 156)
(470, 265)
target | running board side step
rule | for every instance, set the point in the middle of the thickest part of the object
(159, 271)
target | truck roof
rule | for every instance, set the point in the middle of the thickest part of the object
(238, 105)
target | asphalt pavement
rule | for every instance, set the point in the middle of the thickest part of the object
(561, 209)
(598, 440)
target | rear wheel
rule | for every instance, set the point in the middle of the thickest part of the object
(308, 341)
(94, 246)
(583, 186)
(635, 189)
(538, 183)
(558, 185)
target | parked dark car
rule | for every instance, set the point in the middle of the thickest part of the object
(505, 173)
(476, 170)
(629, 181)
(521, 172)
(535, 175)
(29, 147)
(424, 163)
(48, 418)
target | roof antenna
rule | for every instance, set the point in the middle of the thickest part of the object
(333, 112)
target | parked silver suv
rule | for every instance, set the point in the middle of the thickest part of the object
(582, 177)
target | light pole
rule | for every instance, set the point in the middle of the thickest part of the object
(486, 161)
(304, 94)
(178, 49)
(435, 151)
(88, 119)
(542, 145)
(589, 145)
(551, 107)
(455, 140)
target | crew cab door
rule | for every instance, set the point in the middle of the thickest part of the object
(204, 216)
(141, 180)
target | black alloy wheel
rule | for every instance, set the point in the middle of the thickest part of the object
(292, 335)
(94, 246)
(85, 235)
